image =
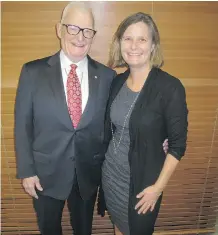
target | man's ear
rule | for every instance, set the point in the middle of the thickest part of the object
(58, 30)
(93, 39)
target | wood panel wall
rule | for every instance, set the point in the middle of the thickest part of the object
(189, 35)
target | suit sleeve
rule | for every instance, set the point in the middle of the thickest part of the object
(24, 126)
(176, 117)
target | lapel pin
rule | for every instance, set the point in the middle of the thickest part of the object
(96, 77)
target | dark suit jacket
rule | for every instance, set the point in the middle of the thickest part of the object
(159, 113)
(46, 143)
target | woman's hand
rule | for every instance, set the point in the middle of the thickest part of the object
(148, 198)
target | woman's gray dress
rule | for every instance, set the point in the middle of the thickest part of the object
(116, 171)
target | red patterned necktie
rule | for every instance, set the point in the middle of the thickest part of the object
(74, 96)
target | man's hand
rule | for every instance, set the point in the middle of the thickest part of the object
(30, 184)
(165, 146)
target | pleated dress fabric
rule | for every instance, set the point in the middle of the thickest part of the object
(116, 171)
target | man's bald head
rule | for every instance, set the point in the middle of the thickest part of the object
(73, 7)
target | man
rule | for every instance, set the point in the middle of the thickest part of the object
(59, 117)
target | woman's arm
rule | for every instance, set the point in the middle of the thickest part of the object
(175, 114)
(150, 195)
(169, 167)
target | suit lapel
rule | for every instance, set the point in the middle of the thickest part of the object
(56, 81)
(94, 80)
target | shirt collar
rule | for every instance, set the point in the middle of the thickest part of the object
(66, 62)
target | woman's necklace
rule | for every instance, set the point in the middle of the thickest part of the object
(116, 147)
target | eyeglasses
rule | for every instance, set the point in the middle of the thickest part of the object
(74, 30)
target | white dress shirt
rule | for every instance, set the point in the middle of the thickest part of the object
(82, 73)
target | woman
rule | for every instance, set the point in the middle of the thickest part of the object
(146, 106)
